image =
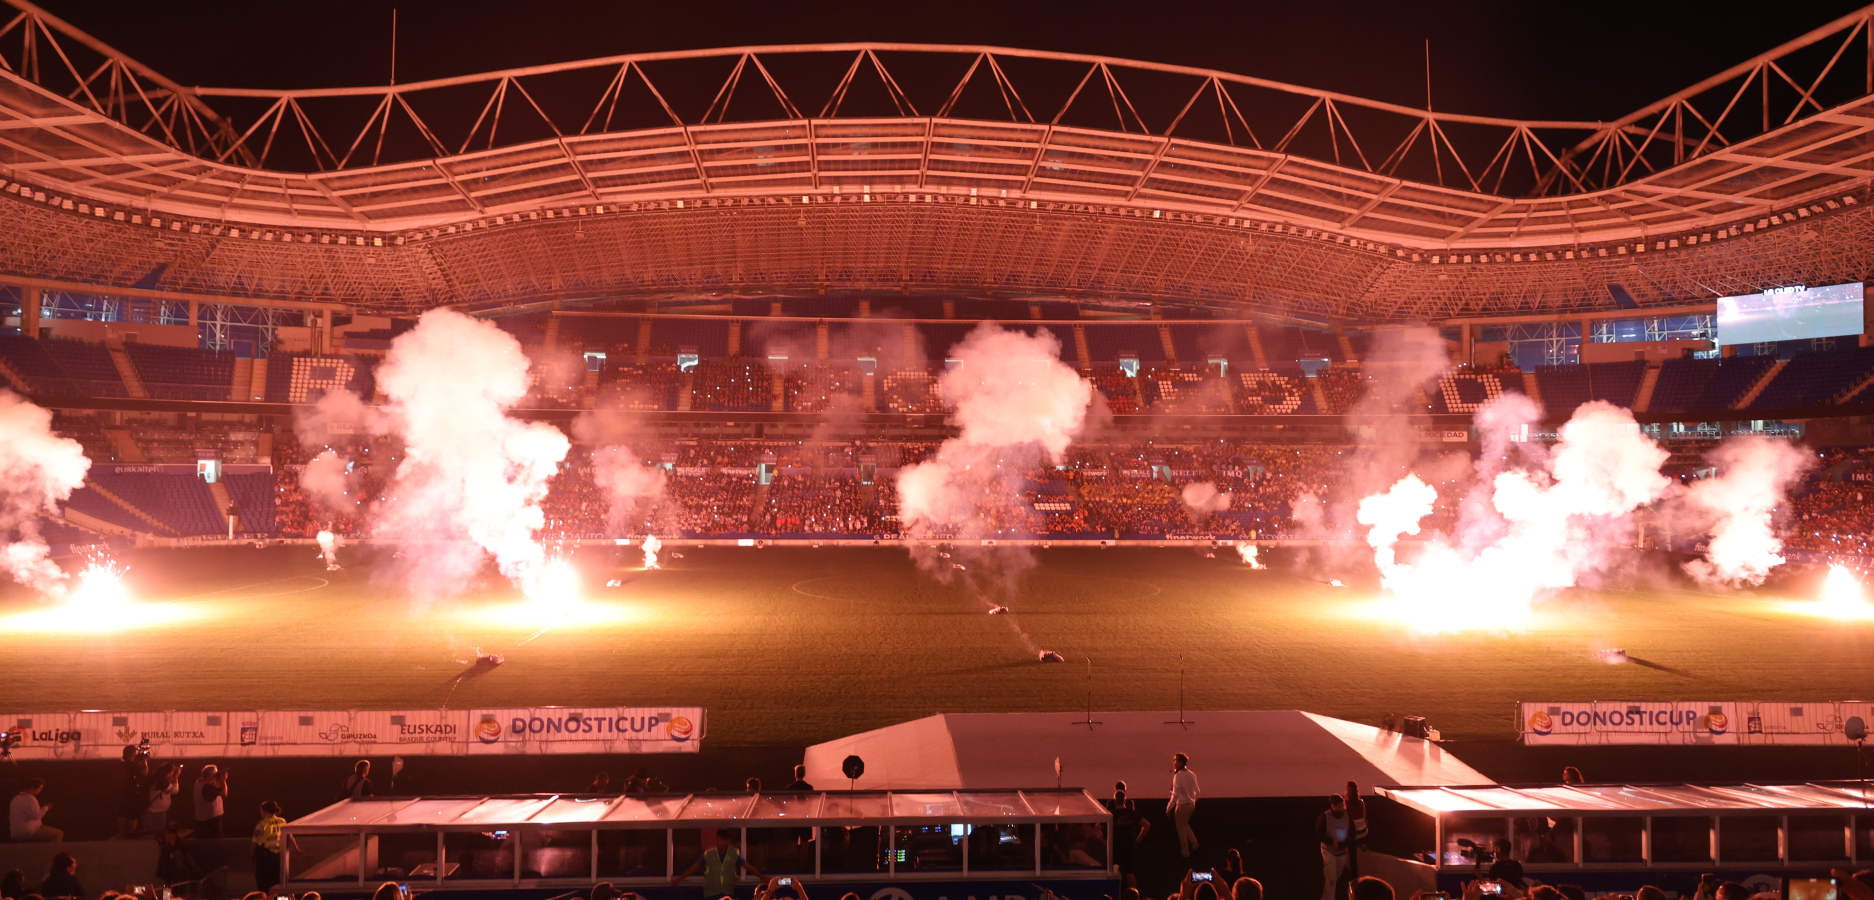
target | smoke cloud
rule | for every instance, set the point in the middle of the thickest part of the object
(1016, 405)
(472, 478)
(1754, 474)
(1201, 499)
(38, 471)
(1546, 526)
(326, 481)
(630, 487)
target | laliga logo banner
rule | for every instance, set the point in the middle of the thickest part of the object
(1627, 722)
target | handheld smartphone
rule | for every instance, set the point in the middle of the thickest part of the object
(1811, 889)
(1203, 876)
(784, 882)
(1491, 888)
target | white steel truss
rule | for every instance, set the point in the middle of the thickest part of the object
(1315, 200)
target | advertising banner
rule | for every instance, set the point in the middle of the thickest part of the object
(1629, 722)
(95, 734)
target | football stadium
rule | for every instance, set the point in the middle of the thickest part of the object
(523, 483)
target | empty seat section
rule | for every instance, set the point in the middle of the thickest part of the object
(1733, 378)
(601, 334)
(253, 495)
(182, 373)
(1812, 379)
(1681, 383)
(61, 367)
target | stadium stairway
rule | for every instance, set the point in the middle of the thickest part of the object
(14, 380)
(1531, 388)
(778, 378)
(644, 339)
(243, 377)
(1763, 381)
(121, 359)
(551, 340)
(155, 524)
(1081, 350)
(735, 338)
(822, 341)
(1346, 349)
(1164, 341)
(868, 391)
(1320, 394)
(223, 500)
(78, 519)
(1643, 399)
(686, 390)
(125, 448)
(1858, 390)
(1255, 347)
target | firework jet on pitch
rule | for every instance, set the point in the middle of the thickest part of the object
(472, 477)
(38, 470)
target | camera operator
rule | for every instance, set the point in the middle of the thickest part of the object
(134, 791)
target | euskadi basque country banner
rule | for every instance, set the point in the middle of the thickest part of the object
(1691, 722)
(358, 732)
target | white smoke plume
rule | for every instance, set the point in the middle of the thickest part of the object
(328, 549)
(471, 478)
(1547, 525)
(1202, 499)
(630, 487)
(1754, 474)
(1250, 554)
(38, 471)
(326, 479)
(1016, 404)
(336, 416)
(652, 544)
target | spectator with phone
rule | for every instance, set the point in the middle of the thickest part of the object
(27, 816)
(781, 887)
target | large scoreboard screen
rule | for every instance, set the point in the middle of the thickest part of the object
(1790, 314)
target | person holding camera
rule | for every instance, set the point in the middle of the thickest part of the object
(210, 796)
(135, 792)
(164, 787)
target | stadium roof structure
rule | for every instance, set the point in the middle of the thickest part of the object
(1634, 799)
(895, 166)
(1237, 753)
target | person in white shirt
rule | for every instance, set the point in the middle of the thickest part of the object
(27, 816)
(1183, 802)
(1339, 829)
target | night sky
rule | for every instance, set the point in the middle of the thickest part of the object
(1509, 57)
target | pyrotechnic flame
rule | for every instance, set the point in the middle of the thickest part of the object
(1842, 596)
(328, 550)
(651, 546)
(1249, 553)
(100, 590)
(557, 586)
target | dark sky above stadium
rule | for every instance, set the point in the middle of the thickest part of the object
(1580, 60)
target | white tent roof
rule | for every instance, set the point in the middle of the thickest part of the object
(1237, 753)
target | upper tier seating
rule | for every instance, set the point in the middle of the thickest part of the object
(65, 368)
(1816, 379)
(1111, 343)
(182, 373)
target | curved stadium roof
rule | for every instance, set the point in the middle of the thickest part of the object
(914, 166)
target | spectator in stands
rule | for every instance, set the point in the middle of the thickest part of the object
(800, 780)
(1232, 866)
(358, 783)
(268, 838)
(601, 784)
(62, 880)
(13, 885)
(1337, 829)
(1246, 888)
(604, 890)
(164, 786)
(27, 816)
(1371, 888)
(1183, 802)
(721, 866)
(210, 794)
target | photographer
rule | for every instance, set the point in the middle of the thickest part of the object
(210, 796)
(164, 786)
